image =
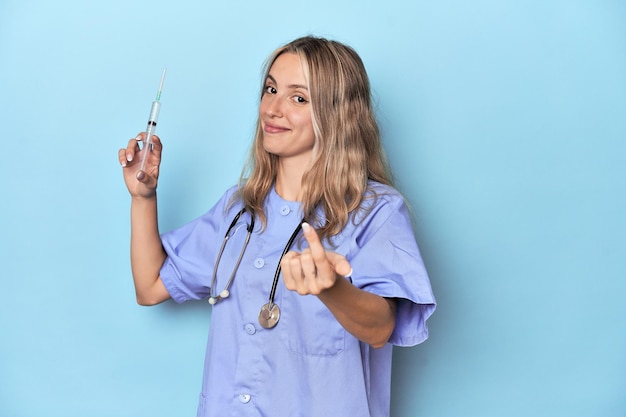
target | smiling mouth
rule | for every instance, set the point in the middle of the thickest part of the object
(270, 128)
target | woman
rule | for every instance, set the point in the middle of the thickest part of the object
(316, 211)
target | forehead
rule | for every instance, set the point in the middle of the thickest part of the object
(288, 68)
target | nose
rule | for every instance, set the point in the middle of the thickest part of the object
(272, 106)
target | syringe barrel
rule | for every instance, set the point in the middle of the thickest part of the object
(154, 112)
(150, 129)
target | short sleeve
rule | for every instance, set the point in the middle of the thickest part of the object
(191, 251)
(386, 261)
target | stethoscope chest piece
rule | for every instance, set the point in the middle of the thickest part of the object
(269, 315)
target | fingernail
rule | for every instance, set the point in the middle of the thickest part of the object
(349, 275)
(306, 227)
(140, 175)
(129, 157)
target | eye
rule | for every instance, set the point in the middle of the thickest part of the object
(300, 99)
(270, 89)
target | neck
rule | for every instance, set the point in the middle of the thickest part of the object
(288, 188)
(289, 180)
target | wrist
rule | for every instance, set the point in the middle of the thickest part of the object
(141, 200)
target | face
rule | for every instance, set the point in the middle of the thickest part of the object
(285, 111)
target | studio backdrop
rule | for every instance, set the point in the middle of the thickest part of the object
(505, 124)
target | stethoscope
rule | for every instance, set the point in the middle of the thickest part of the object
(270, 312)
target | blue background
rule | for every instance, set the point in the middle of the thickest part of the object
(505, 122)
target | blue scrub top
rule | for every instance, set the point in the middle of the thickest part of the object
(308, 365)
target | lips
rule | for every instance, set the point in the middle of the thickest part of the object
(271, 128)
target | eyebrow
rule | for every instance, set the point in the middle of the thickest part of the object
(304, 87)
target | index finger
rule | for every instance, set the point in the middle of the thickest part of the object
(318, 253)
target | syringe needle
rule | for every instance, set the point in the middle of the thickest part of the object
(158, 96)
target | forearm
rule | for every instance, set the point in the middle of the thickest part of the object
(368, 317)
(146, 251)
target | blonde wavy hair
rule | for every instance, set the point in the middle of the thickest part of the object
(347, 151)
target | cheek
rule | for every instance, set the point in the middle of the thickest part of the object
(310, 129)
(303, 120)
(262, 106)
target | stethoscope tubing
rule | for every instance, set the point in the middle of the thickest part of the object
(213, 299)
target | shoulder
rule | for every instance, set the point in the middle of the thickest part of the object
(230, 200)
(231, 194)
(383, 211)
(380, 200)
(388, 192)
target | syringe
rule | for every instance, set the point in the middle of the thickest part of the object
(152, 122)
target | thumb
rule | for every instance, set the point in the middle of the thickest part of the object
(144, 180)
(340, 264)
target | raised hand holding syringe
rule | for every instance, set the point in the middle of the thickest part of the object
(152, 122)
